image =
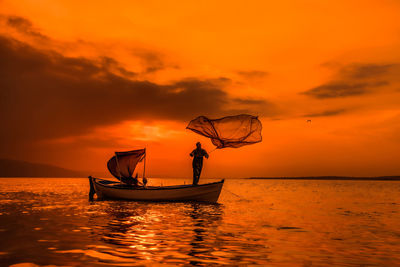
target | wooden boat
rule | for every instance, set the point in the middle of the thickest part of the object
(122, 166)
(106, 189)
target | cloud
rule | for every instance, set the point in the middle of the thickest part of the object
(47, 95)
(366, 71)
(149, 61)
(246, 101)
(259, 107)
(327, 113)
(114, 66)
(24, 26)
(356, 79)
(253, 74)
(342, 89)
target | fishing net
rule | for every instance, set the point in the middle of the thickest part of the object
(123, 164)
(232, 131)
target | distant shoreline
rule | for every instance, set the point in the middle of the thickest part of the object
(377, 178)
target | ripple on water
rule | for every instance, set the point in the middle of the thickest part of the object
(288, 228)
(98, 254)
(262, 227)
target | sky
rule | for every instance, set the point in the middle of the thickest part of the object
(83, 79)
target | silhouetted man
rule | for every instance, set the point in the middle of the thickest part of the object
(197, 163)
(132, 181)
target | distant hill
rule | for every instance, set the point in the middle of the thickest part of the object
(17, 168)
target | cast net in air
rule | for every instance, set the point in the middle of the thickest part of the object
(232, 131)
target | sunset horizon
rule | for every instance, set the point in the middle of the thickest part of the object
(84, 80)
(199, 133)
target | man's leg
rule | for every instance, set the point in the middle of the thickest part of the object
(194, 165)
(199, 166)
(194, 174)
(197, 175)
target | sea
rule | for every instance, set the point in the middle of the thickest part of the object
(50, 222)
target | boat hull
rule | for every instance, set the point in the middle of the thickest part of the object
(106, 189)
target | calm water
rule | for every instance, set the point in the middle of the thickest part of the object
(260, 222)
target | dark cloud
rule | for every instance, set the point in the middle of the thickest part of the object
(254, 74)
(111, 64)
(260, 107)
(366, 71)
(343, 89)
(326, 113)
(24, 26)
(356, 79)
(151, 61)
(47, 95)
(250, 101)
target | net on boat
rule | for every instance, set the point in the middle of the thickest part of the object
(123, 164)
(232, 131)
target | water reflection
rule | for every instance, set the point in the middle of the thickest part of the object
(278, 223)
(122, 221)
(160, 231)
(205, 219)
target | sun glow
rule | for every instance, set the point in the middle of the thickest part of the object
(98, 77)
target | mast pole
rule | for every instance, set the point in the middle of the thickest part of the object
(119, 170)
(144, 164)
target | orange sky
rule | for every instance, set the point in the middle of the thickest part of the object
(83, 80)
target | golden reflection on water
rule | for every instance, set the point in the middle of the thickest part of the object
(49, 221)
(149, 231)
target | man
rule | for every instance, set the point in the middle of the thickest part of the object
(197, 163)
(132, 181)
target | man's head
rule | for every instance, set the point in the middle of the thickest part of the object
(198, 145)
